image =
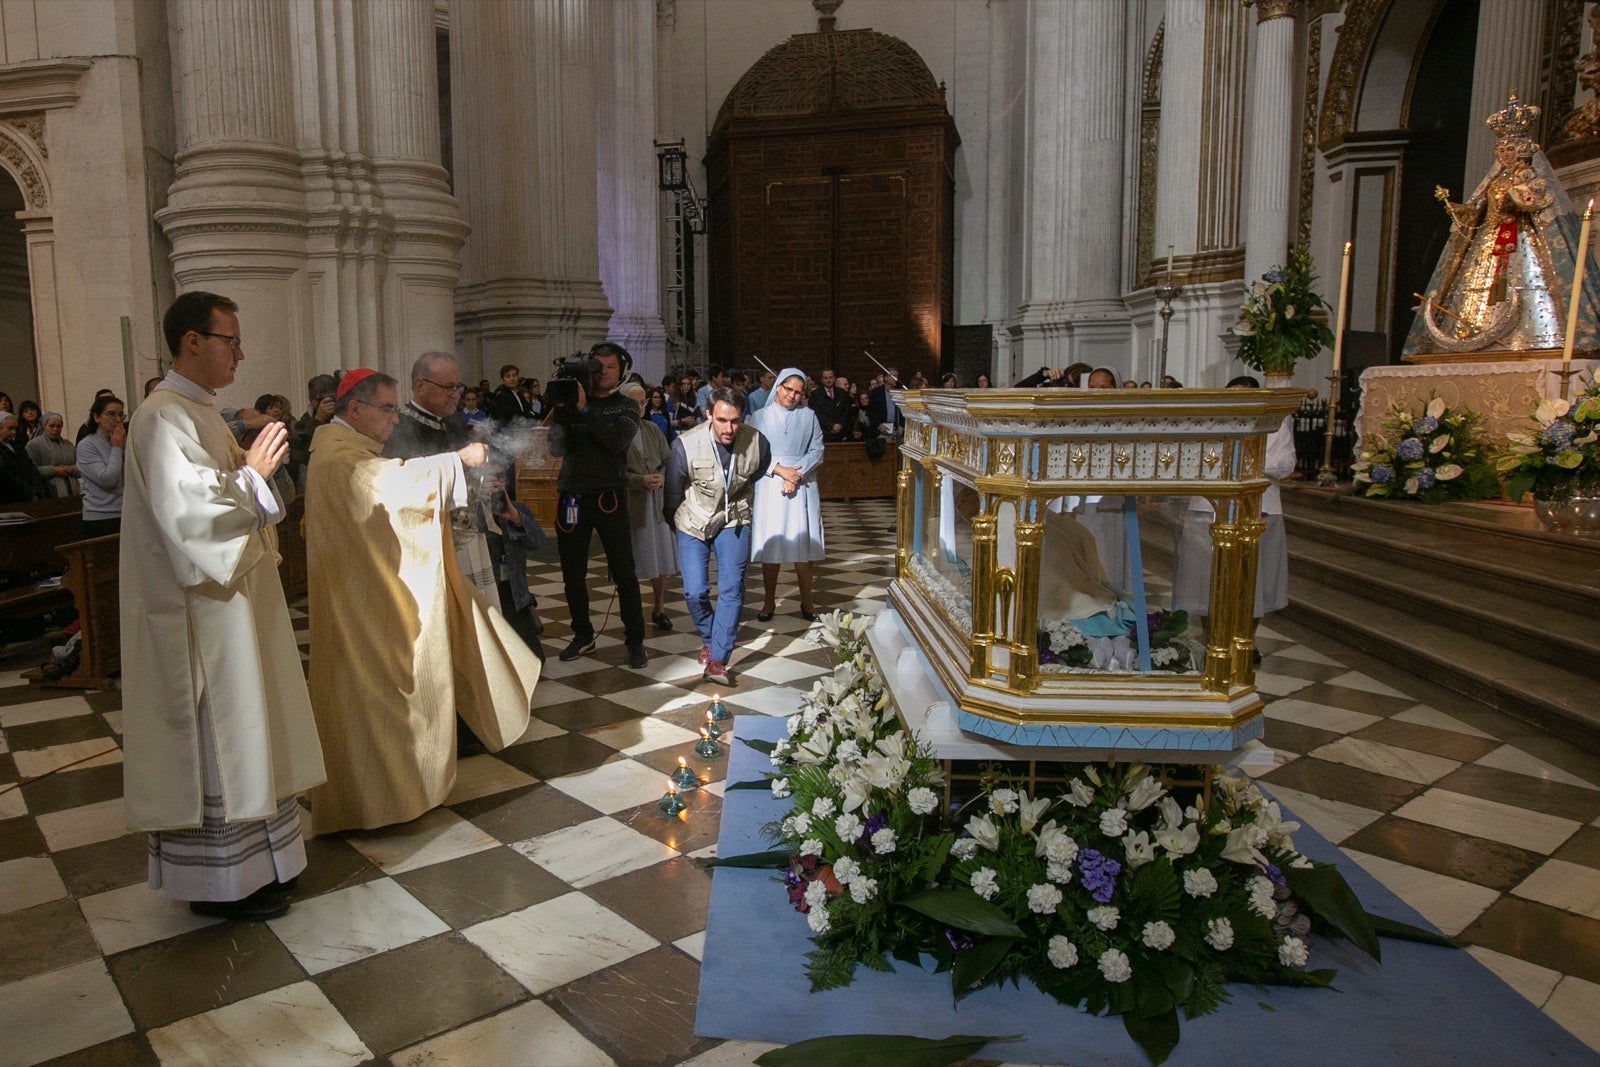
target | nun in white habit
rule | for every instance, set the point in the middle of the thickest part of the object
(788, 507)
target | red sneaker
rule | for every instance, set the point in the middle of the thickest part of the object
(717, 674)
(705, 655)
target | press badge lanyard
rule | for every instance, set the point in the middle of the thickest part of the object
(727, 488)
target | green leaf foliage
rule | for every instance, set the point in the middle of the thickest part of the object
(962, 909)
(1325, 893)
(880, 1050)
(1157, 1035)
(1406, 932)
(758, 783)
(973, 967)
(763, 747)
(1153, 892)
(777, 858)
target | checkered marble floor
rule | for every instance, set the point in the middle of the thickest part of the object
(548, 914)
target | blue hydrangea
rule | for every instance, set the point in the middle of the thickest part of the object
(1558, 434)
(1410, 450)
(1382, 473)
(1425, 478)
(1273, 277)
(1099, 874)
(1424, 426)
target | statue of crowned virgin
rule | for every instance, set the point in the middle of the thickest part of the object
(1502, 283)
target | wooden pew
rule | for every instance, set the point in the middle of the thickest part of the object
(848, 474)
(91, 578)
(30, 553)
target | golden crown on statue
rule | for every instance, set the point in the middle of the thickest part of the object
(1514, 122)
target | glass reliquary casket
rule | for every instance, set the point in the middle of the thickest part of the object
(1058, 570)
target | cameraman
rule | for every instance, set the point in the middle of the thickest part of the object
(592, 435)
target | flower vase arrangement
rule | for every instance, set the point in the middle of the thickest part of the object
(1277, 327)
(1558, 461)
(1436, 456)
(1065, 648)
(1113, 891)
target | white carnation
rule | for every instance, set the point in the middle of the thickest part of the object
(1292, 952)
(1114, 823)
(883, 842)
(1114, 966)
(811, 847)
(817, 919)
(800, 824)
(823, 807)
(1062, 952)
(922, 800)
(964, 849)
(780, 788)
(863, 889)
(1261, 899)
(816, 895)
(848, 827)
(984, 884)
(1219, 934)
(1043, 898)
(1105, 917)
(845, 870)
(1158, 935)
(1060, 873)
(1199, 882)
(1003, 801)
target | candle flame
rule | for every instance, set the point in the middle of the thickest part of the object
(1347, 245)
(681, 763)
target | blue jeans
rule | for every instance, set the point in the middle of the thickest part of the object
(720, 624)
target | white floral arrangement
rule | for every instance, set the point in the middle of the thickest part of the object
(1111, 891)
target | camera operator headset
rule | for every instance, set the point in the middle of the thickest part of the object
(590, 432)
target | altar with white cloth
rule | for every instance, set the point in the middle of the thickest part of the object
(1502, 391)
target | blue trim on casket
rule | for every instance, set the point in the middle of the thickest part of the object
(1144, 738)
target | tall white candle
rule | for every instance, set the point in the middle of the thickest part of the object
(1344, 311)
(1577, 284)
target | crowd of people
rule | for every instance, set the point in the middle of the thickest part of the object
(425, 638)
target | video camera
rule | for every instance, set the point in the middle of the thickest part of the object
(571, 371)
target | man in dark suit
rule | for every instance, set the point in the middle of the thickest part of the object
(505, 403)
(834, 408)
(882, 409)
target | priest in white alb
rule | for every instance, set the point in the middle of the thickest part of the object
(401, 641)
(218, 735)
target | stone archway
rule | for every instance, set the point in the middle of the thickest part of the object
(25, 159)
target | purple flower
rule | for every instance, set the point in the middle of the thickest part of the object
(1558, 434)
(1099, 874)
(1410, 450)
(1274, 875)
(874, 824)
(959, 941)
(1425, 478)
(1424, 426)
(1382, 473)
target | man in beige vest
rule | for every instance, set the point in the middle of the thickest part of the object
(710, 484)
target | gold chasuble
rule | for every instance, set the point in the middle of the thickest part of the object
(400, 641)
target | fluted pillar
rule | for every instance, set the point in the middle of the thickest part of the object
(1508, 59)
(1072, 225)
(522, 78)
(1199, 183)
(1273, 158)
(630, 227)
(235, 214)
(424, 226)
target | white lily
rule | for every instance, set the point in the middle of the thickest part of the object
(984, 832)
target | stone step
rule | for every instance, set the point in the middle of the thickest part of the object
(1507, 539)
(1533, 582)
(1551, 697)
(1463, 601)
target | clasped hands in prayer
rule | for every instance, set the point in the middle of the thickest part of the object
(791, 478)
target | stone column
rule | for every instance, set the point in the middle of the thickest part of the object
(1273, 157)
(1508, 59)
(400, 80)
(235, 213)
(1198, 184)
(630, 225)
(1072, 204)
(522, 80)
